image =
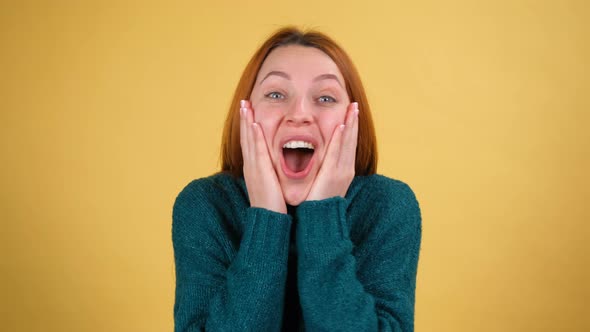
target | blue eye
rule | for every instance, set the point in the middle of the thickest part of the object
(274, 95)
(326, 99)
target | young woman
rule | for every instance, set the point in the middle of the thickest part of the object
(297, 232)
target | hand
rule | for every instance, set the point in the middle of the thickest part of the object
(261, 178)
(337, 171)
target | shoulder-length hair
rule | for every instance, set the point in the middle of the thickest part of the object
(366, 151)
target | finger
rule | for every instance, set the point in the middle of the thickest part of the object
(349, 121)
(249, 130)
(350, 136)
(333, 153)
(350, 113)
(257, 139)
(259, 143)
(243, 130)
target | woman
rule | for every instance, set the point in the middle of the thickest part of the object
(297, 231)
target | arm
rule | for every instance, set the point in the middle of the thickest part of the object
(336, 293)
(225, 285)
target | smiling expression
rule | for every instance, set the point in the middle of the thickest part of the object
(299, 98)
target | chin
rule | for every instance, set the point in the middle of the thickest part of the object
(296, 194)
(295, 201)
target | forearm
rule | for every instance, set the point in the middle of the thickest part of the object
(248, 294)
(333, 297)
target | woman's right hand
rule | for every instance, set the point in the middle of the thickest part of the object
(261, 178)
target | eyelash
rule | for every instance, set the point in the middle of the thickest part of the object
(277, 95)
(331, 99)
(270, 95)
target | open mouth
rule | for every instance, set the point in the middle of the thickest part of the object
(297, 158)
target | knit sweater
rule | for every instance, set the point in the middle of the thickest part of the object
(338, 264)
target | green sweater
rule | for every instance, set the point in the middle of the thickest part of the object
(339, 264)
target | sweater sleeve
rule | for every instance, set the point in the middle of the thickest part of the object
(336, 293)
(221, 286)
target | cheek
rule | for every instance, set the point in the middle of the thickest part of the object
(329, 121)
(268, 121)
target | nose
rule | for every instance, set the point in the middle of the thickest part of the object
(299, 113)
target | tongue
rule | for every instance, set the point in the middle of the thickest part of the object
(297, 159)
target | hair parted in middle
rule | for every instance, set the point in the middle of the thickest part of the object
(366, 151)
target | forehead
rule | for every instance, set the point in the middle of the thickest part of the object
(299, 62)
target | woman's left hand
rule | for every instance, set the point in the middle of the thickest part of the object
(338, 167)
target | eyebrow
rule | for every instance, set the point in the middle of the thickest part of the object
(277, 73)
(286, 76)
(328, 77)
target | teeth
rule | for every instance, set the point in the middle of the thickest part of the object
(298, 144)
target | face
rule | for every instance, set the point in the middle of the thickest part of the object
(299, 99)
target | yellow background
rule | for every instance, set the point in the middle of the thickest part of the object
(108, 108)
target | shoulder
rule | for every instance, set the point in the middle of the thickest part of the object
(210, 187)
(389, 201)
(382, 188)
(218, 194)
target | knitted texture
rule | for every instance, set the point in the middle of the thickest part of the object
(339, 264)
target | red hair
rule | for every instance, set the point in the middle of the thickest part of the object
(366, 151)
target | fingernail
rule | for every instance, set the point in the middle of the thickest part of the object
(243, 110)
(342, 127)
(355, 105)
(242, 103)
